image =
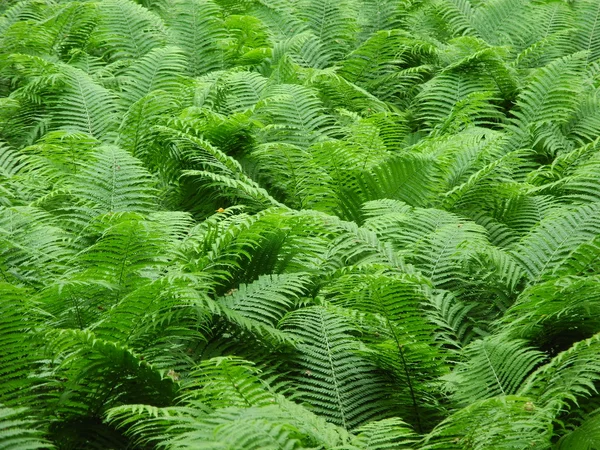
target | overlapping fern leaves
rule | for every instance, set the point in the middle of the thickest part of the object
(256, 224)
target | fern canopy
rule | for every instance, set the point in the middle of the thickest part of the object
(300, 224)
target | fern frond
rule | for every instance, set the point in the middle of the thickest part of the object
(411, 178)
(587, 38)
(225, 382)
(551, 97)
(18, 432)
(21, 359)
(387, 434)
(114, 181)
(568, 377)
(33, 248)
(128, 30)
(396, 304)
(267, 299)
(83, 105)
(294, 115)
(502, 423)
(554, 238)
(337, 384)
(585, 437)
(333, 24)
(197, 29)
(135, 131)
(160, 69)
(544, 311)
(493, 367)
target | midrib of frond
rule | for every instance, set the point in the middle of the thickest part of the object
(136, 325)
(487, 358)
(407, 374)
(441, 254)
(137, 132)
(550, 22)
(558, 248)
(85, 105)
(125, 256)
(325, 5)
(235, 386)
(129, 30)
(592, 31)
(66, 24)
(77, 307)
(113, 186)
(336, 386)
(292, 174)
(155, 69)
(195, 60)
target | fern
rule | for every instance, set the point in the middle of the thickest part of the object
(493, 367)
(554, 238)
(157, 70)
(120, 183)
(339, 385)
(18, 433)
(82, 105)
(128, 30)
(196, 28)
(308, 224)
(385, 434)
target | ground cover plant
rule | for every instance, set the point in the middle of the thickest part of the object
(300, 224)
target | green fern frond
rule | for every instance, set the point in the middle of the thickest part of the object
(160, 69)
(585, 437)
(197, 29)
(493, 367)
(568, 377)
(100, 374)
(333, 23)
(268, 298)
(335, 382)
(411, 178)
(21, 359)
(83, 105)
(450, 93)
(113, 181)
(226, 382)
(387, 434)
(587, 38)
(18, 432)
(396, 306)
(502, 423)
(554, 238)
(128, 30)
(294, 115)
(555, 313)
(33, 247)
(551, 97)
(135, 131)
(451, 318)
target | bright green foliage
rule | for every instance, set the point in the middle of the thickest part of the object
(300, 224)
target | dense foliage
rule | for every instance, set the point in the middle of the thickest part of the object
(300, 224)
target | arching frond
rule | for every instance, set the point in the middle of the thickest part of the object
(385, 434)
(83, 105)
(160, 69)
(128, 30)
(197, 29)
(336, 383)
(492, 367)
(20, 433)
(554, 238)
(114, 181)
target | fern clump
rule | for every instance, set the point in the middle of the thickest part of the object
(305, 224)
